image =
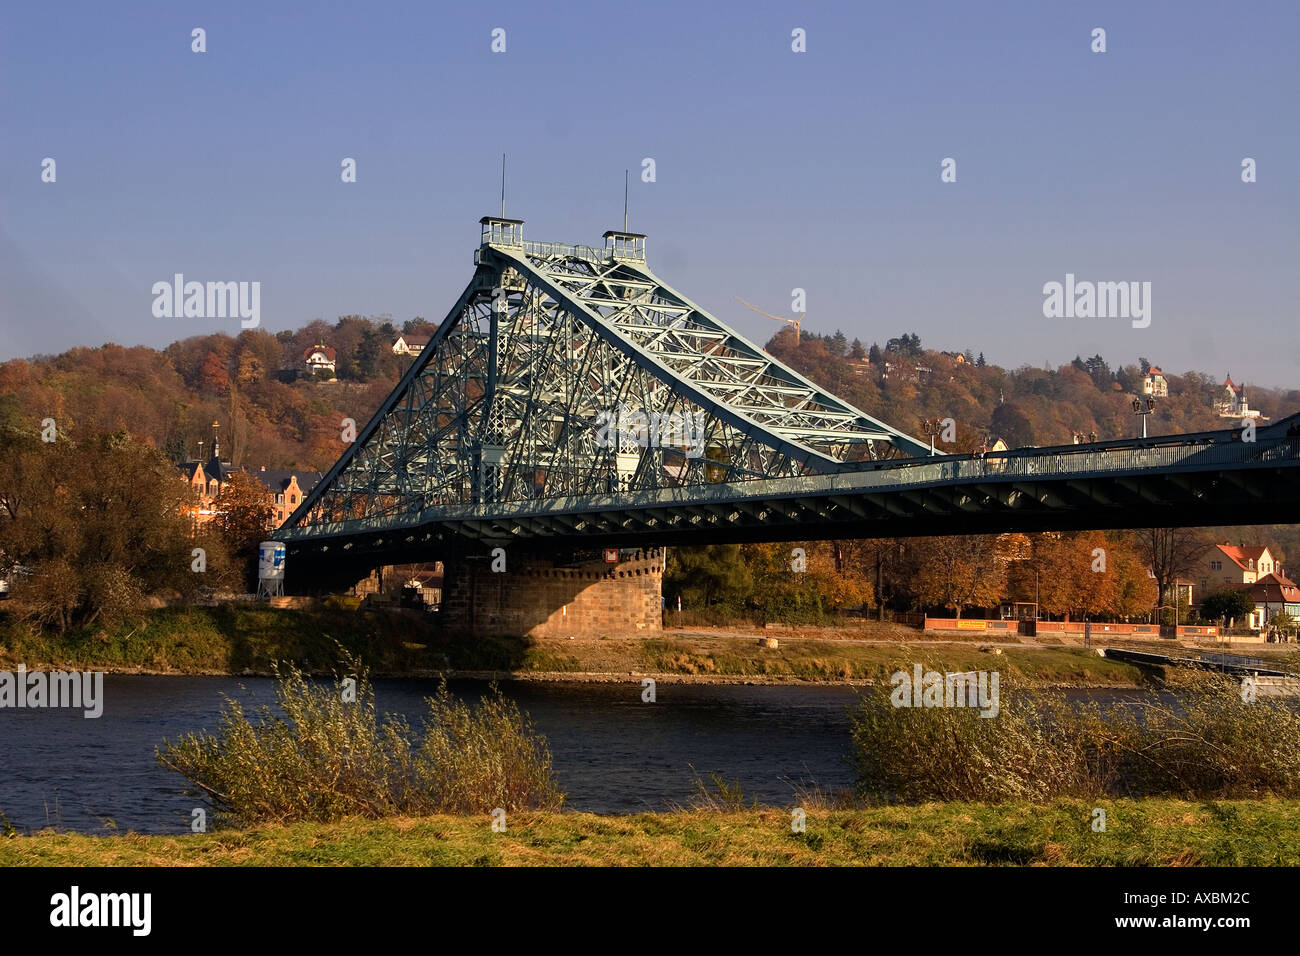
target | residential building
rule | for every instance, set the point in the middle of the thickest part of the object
(1273, 594)
(285, 489)
(410, 344)
(318, 358)
(1233, 402)
(1226, 566)
(1154, 383)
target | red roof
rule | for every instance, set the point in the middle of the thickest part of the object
(323, 349)
(1241, 555)
(1275, 587)
(1154, 371)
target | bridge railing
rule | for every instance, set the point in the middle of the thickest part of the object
(532, 248)
(1019, 465)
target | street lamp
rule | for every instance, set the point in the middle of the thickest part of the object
(1144, 412)
(931, 427)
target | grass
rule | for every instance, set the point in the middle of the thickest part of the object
(247, 638)
(1138, 833)
(814, 660)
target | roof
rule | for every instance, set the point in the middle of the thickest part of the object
(213, 469)
(411, 340)
(1241, 555)
(277, 479)
(1275, 587)
(323, 349)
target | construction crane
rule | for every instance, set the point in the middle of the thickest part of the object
(795, 322)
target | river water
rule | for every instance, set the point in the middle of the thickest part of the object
(611, 752)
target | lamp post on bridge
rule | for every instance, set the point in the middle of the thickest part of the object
(931, 427)
(1144, 412)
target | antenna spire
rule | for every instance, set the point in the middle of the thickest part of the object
(625, 200)
(503, 185)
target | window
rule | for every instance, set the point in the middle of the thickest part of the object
(293, 499)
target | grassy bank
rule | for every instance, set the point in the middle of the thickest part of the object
(245, 638)
(1141, 833)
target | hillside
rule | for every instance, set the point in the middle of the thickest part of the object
(170, 398)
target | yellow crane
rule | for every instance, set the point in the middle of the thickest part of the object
(795, 322)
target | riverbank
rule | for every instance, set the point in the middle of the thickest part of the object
(245, 639)
(1137, 833)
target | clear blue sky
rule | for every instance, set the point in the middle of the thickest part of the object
(775, 169)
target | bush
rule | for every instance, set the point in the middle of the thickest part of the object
(1207, 744)
(327, 759)
(1037, 747)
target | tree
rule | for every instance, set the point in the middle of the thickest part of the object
(907, 345)
(1099, 372)
(1169, 553)
(957, 571)
(1010, 421)
(707, 576)
(873, 354)
(243, 512)
(369, 354)
(100, 523)
(856, 351)
(979, 362)
(839, 345)
(1229, 604)
(214, 377)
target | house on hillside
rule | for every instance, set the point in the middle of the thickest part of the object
(1155, 384)
(410, 344)
(318, 359)
(1234, 404)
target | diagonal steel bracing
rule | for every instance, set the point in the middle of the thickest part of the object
(566, 371)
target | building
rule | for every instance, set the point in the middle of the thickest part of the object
(410, 344)
(287, 492)
(1154, 383)
(1226, 566)
(1233, 403)
(319, 359)
(1273, 594)
(285, 489)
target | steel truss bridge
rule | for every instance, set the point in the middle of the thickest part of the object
(571, 398)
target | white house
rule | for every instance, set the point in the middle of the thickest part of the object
(410, 344)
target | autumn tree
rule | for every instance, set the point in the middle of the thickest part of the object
(99, 524)
(243, 512)
(958, 571)
(806, 580)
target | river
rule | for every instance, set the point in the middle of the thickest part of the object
(612, 753)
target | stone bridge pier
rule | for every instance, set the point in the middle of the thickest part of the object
(554, 596)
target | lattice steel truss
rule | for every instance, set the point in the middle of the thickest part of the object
(505, 403)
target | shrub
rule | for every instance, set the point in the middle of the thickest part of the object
(1035, 748)
(326, 759)
(1205, 744)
